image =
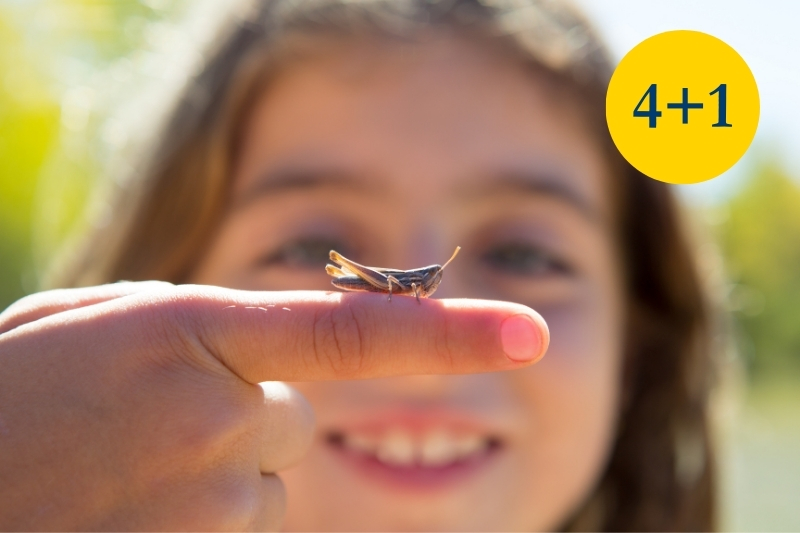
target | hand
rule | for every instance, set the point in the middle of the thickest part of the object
(138, 405)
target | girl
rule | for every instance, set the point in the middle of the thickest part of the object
(390, 131)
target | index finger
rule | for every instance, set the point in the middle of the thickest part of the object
(318, 335)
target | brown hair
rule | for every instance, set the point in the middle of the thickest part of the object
(660, 474)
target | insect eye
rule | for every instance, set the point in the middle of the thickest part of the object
(523, 259)
(309, 252)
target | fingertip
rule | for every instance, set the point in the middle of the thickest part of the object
(544, 334)
(521, 338)
(523, 333)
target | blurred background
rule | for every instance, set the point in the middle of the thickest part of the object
(70, 68)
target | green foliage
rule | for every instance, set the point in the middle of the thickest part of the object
(46, 49)
(761, 244)
(28, 126)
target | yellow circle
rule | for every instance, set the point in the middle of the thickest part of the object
(676, 71)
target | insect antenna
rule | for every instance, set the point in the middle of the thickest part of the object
(451, 257)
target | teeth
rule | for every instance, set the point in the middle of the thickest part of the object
(469, 445)
(438, 448)
(398, 447)
(361, 443)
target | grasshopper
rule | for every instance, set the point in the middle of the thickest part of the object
(351, 276)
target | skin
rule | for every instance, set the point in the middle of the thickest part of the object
(393, 154)
(148, 406)
(139, 406)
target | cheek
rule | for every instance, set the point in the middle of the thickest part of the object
(573, 396)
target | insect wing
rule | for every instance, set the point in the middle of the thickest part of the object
(336, 272)
(355, 283)
(368, 274)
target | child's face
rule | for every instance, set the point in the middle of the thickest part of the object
(393, 155)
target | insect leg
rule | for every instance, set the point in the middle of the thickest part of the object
(416, 291)
(391, 279)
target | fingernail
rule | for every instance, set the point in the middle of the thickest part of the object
(521, 339)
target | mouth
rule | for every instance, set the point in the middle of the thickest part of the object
(407, 456)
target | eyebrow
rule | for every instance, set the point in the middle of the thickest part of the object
(521, 182)
(284, 181)
(288, 180)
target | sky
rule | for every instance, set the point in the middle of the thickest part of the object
(765, 33)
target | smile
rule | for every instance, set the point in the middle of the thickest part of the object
(414, 458)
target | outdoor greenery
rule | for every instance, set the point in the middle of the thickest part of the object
(29, 123)
(761, 244)
(48, 49)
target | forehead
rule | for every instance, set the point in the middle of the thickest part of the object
(422, 120)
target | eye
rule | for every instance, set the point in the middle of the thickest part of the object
(304, 252)
(523, 259)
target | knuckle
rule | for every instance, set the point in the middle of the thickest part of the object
(15, 313)
(150, 284)
(234, 504)
(26, 302)
(285, 403)
(272, 506)
(169, 320)
(169, 332)
(339, 340)
(238, 505)
(286, 428)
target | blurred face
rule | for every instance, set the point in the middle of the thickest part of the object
(392, 155)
